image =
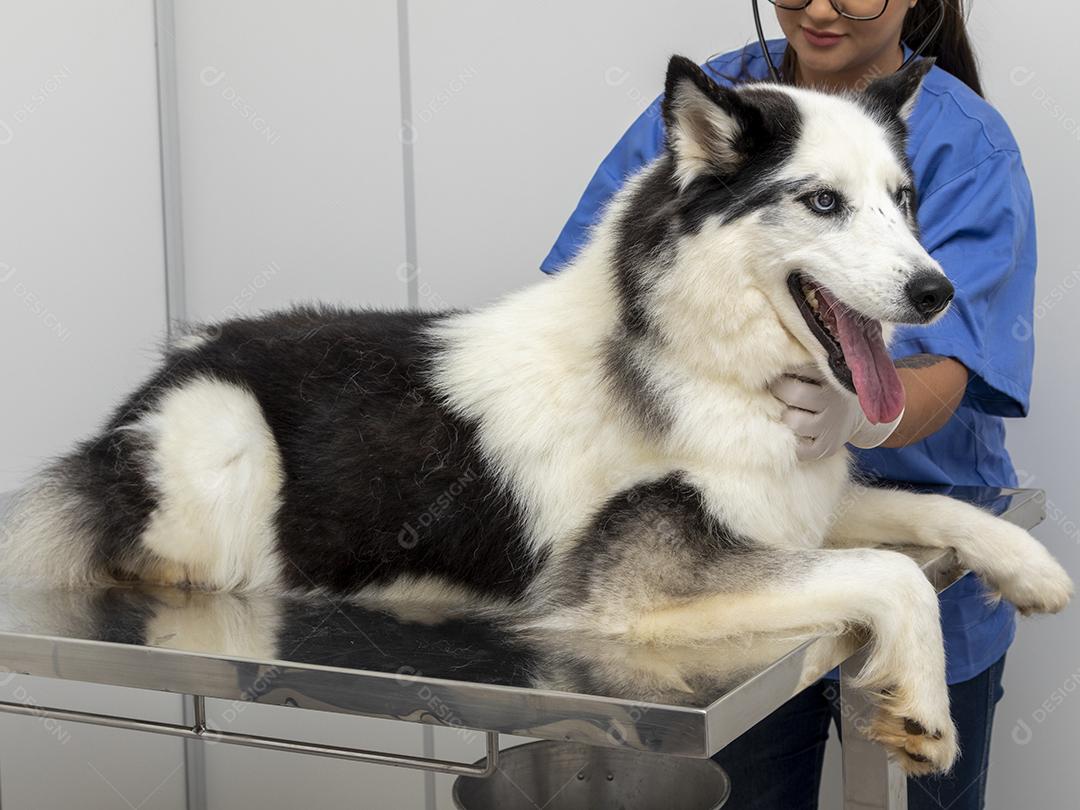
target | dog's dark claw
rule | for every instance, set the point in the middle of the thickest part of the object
(913, 726)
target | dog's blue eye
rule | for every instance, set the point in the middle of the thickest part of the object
(823, 202)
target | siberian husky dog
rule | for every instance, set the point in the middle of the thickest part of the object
(596, 453)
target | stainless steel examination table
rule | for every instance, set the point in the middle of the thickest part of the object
(328, 655)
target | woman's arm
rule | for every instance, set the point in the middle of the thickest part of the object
(934, 386)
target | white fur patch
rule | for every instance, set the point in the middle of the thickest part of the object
(529, 367)
(218, 472)
(867, 261)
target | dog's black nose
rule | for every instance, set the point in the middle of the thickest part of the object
(929, 292)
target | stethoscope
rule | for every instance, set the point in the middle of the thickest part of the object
(774, 74)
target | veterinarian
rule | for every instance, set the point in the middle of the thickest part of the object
(961, 375)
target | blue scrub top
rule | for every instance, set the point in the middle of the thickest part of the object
(977, 219)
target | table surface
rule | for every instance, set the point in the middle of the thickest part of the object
(414, 665)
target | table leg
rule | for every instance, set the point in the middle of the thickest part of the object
(871, 781)
(194, 758)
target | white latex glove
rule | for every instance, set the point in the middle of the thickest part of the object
(823, 417)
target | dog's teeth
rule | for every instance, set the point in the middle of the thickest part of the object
(811, 299)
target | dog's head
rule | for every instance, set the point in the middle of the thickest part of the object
(812, 196)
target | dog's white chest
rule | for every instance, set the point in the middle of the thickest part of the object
(794, 510)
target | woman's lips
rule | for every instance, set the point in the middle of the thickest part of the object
(822, 39)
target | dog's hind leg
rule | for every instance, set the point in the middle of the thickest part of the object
(218, 473)
(1006, 557)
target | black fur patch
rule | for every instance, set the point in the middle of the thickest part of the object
(645, 242)
(115, 496)
(664, 521)
(888, 94)
(632, 386)
(766, 144)
(380, 479)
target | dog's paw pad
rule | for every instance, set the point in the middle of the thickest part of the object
(916, 729)
(913, 727)
(919, 747)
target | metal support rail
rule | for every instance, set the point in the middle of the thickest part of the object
(200, 731)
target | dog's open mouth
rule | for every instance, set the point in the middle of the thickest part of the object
(856, 350)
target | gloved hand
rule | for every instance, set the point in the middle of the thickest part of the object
(823, 417)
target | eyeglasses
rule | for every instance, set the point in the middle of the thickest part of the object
(852, 9)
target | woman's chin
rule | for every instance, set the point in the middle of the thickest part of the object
(823, 62)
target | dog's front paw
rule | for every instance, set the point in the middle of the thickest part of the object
(920, 745)
(1018, 567)
(1039, 586)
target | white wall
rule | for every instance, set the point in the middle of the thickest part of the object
(294, 186)
(291, 168)
(81, 310)
(81, 271)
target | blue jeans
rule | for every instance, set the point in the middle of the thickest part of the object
(777, 764)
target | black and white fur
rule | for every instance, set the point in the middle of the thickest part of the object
(597, 452)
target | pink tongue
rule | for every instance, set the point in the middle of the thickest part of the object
(881, 394)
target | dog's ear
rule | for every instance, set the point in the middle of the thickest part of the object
(704, 122)
(898, 92)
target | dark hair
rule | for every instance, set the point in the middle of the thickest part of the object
(950, 45)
